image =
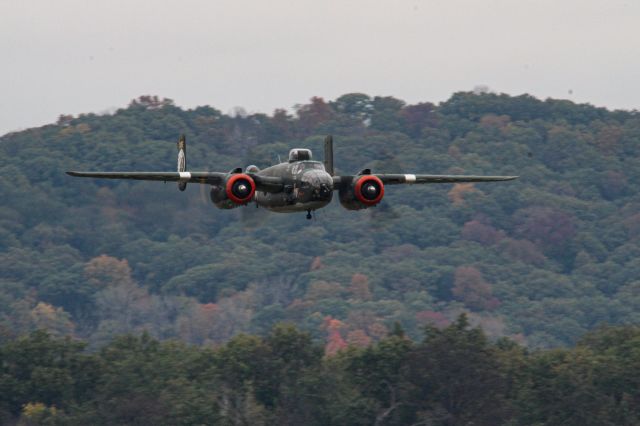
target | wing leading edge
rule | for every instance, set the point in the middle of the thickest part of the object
(394, 179)
(212, 178)
(397, 179)
(263, 183)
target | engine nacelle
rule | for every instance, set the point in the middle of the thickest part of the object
(365, 191)
(238, 190)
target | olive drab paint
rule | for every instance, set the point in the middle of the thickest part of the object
(299, 185)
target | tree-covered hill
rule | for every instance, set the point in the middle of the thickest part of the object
(451, 376)
(542, 259)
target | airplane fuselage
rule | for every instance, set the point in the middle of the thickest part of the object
(295, 186)
(307, 187)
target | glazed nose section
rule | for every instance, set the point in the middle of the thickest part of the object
(322, 184)
(323, 193)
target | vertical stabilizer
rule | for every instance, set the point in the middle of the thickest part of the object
(182, 160)
(328, 154)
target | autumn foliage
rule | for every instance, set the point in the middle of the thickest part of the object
(470, 287)
(335, 342)
(547, 257)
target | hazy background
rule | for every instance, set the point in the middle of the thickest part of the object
(87, 56)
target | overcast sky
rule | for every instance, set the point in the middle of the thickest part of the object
(75, 56)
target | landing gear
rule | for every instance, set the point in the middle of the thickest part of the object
(309, 214)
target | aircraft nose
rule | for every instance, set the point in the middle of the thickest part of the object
(322, 184)
(317, 178)
(322, 193)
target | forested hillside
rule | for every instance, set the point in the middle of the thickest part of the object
(449, 377)
(543, 259)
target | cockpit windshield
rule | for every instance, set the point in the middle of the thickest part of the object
(312, 165)
(303, 166)
(299, 154)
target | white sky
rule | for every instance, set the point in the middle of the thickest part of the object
(75, 56)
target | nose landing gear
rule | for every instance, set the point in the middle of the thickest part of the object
(309, 214)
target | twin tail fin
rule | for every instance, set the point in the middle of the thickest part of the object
(182, 160)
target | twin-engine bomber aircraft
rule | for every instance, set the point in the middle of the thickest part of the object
(295, 186)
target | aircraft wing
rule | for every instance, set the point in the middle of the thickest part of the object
(195, 177)
(263, 183)
(394, 179)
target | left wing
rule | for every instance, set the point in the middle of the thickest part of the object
(212, 178)
(263, 183)
(182, 176)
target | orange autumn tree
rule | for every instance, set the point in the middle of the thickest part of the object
(472, 289)
(105, 271)
(457, 193)
(335, 342)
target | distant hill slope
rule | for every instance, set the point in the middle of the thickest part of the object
(542, 259)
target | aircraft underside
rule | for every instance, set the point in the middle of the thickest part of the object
(287, 203)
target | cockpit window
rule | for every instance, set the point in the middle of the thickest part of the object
(299, 154)
(308, 165)
(302, 166)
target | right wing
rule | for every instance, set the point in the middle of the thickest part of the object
(263, 183)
